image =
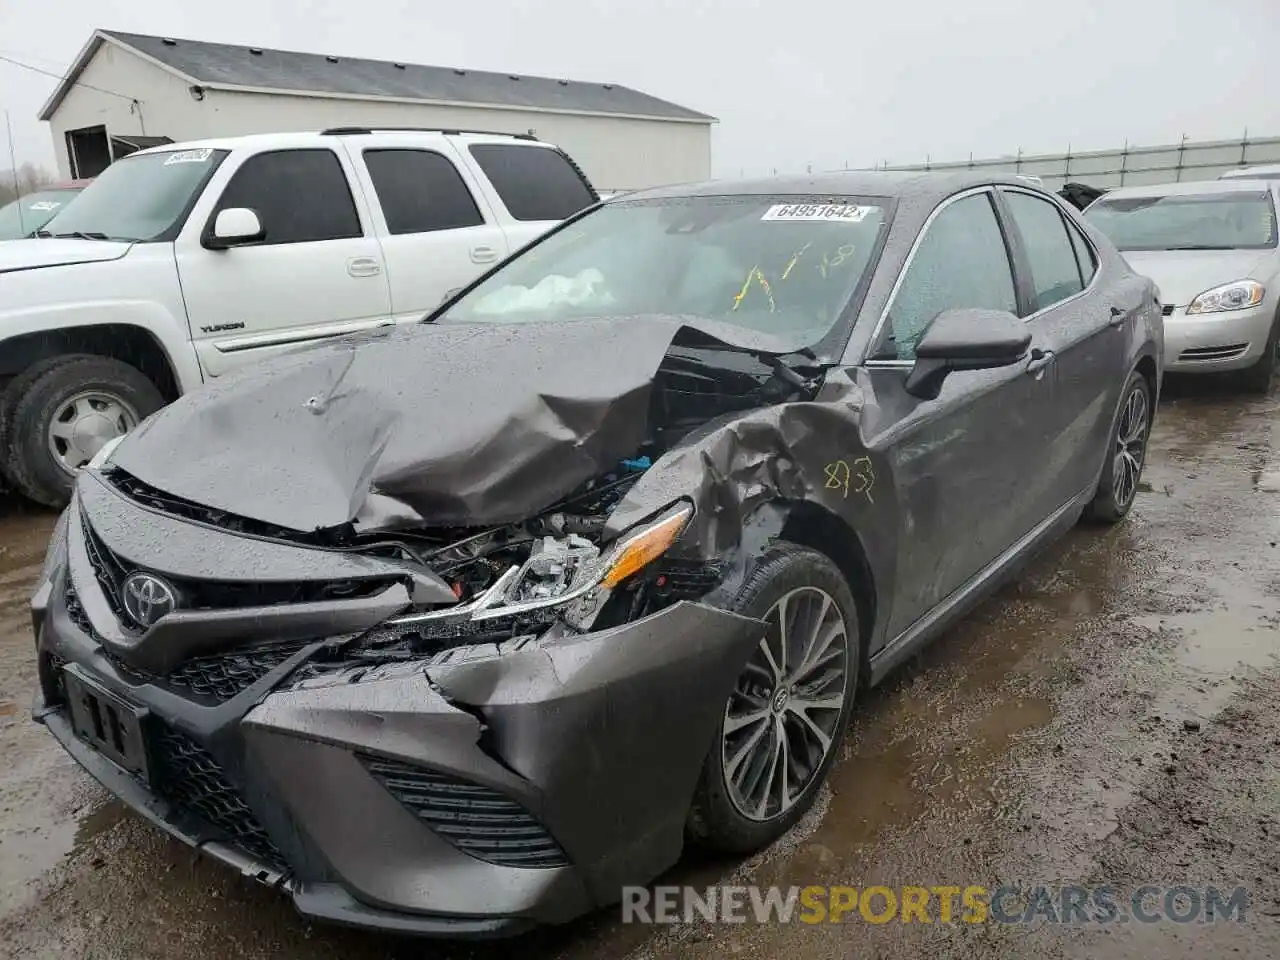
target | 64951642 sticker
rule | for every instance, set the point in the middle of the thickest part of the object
(819, 212)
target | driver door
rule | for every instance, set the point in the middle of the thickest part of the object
(961, 462)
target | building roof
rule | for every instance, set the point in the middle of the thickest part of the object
(228, 67)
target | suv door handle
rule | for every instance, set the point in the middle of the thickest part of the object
(483, 254)
(1040, 360)
(1118, 317)
(364, 267)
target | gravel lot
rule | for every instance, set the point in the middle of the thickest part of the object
(1112, 717)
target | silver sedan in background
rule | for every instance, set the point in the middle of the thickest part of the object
(1211, 248)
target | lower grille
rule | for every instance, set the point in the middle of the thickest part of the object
(192, 780)
(478, 820)
(1230, 352)
(1167, 310)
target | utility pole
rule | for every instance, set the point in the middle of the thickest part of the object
(13, 163)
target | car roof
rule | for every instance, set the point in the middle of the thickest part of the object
(1189, 188)
(919, 185)
(1244, 173)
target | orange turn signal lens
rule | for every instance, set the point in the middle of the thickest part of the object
(644, 546)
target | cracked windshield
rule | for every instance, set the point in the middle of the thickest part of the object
(785, 269)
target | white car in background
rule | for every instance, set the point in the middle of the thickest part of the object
(1211, 248)
(1266, 172)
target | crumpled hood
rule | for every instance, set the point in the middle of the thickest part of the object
(1182, 275)
(18, 255)
(463, 424)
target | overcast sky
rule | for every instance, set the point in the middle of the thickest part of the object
(794, 82)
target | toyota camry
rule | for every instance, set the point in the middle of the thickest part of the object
(459, 627)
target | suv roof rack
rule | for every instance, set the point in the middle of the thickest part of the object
(455, 131)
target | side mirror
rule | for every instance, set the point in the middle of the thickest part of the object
(965, 340)
(234, 227)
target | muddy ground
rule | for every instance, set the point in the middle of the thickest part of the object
(1112, 717)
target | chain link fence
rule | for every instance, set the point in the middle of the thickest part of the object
(1128, 166)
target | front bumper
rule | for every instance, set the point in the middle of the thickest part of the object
(1207, 343)
(403, 797)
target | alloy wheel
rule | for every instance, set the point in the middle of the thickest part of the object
(1130, 447)
(780, 721)
(84, 423)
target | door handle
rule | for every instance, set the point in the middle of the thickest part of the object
(1118, 317)
(1039, 362)
(483, 254)
(364, 267)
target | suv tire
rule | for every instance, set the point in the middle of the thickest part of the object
(99, 393)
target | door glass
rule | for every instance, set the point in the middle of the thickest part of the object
(1084, 254)
(962, 262)
(535, 183)
(1055, 273)
(299, 195)
(421, 191)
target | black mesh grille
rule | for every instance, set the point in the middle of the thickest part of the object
(111, 571)
(223, 677)
(1167, 309)
(218, 677)
(108, 569)
(477, 820)
(191, 779)
(75, 611)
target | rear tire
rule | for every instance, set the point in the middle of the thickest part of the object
(9, 394)
(1258, 378)
(742, 803)
(63, 406)
(1126, 454)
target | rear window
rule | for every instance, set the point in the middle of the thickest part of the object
(535, 183)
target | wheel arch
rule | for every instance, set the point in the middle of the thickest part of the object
(126, 342)
(812, 525)
(1146, 366)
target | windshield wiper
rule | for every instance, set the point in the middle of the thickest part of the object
(1200, 246)
(79, 235)
(791, 368)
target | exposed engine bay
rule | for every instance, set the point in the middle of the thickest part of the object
(485, 513)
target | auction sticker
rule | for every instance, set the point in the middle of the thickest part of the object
(189, 156)
(847, 212)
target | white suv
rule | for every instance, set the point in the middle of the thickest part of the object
(184, 262)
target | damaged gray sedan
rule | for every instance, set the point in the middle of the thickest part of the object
(456, 629)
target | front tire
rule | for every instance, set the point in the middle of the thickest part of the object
(1258, 378)
(1126, 454)
(68, 407)
(784, 722)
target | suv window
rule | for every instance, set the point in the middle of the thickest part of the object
(1055, 272)
(535, 183)
(962, 262)
(299, 195)
(421, 191)
(1084, 253)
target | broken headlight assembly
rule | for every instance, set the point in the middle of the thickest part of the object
(568, 575)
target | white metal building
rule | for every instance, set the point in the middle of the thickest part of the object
(129, 90)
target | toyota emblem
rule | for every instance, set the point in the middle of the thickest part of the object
(147, 598)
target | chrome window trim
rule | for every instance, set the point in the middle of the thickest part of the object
(1062, 209)
(989, 190)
